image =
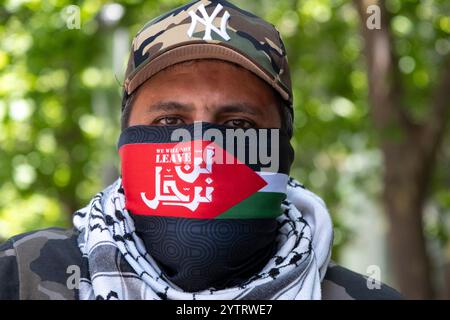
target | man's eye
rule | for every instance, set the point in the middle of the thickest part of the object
(169, 121)
(239, 123)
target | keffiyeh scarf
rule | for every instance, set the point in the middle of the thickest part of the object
(121, 268)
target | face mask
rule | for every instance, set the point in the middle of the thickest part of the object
(204, 198)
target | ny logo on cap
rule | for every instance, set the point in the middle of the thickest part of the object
(207, 21)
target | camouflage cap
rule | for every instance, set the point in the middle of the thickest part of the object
(207, 29)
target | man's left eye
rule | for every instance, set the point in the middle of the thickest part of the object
(239, 123)
(168, 121)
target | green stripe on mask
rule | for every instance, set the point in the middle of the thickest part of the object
(260, 205)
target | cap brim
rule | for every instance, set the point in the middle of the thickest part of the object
(198, 51)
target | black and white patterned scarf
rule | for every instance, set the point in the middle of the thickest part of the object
(121, 268)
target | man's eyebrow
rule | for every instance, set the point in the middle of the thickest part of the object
(170, 106)
(239, 107)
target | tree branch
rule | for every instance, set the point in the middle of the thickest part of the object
(440, 113)
(384, 80)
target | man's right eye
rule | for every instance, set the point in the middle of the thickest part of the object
(168, 121)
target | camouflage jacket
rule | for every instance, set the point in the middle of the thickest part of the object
(41, 265)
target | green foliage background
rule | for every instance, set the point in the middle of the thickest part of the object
(60, 104)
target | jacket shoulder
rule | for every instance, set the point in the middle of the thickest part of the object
(343, 284)
(9, 276)
(42, 261)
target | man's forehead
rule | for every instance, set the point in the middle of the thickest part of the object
(185, 107)
(211, 73)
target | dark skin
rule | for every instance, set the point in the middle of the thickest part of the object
(206, 90)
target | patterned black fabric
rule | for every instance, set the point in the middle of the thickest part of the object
(199, 254)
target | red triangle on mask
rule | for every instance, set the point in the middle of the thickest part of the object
(195, 179)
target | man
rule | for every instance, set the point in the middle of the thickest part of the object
(181, 223)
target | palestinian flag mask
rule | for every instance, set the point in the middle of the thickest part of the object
(204, 198)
